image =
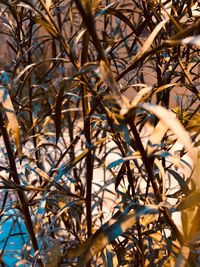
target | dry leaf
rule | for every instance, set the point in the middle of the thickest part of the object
(189, 201)
(167, 117)
(12, 119)
(149, 41)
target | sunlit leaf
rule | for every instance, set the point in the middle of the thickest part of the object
(156, 137)
(189, 201)
(149, 40)
(31, 166)
(196, 171)
(12, 118)
(103, 10)
(152, 36)
(140, 96)
(193, 122)
(49, 27)
(167, 117)
(48, 4)
(117, 162)
(22, 72)
(166, 86)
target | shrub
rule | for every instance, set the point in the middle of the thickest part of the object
(99, 128)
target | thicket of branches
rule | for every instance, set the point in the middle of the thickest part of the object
(99, 123)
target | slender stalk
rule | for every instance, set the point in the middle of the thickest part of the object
(87, 130)
(21, 195)
(89, 22)
(33, 132)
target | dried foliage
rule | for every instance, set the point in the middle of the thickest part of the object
(99, 132)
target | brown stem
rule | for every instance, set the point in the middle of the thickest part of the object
(87, 130)
(21, 194)
(89, 22)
